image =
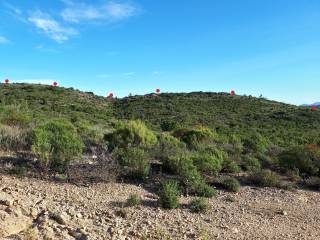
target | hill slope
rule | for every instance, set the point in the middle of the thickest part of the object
(283, 124)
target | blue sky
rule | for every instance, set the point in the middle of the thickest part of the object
(268, 47)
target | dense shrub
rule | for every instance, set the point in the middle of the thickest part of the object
(131, 133)
(236, 144)
(251, 163)
(255, 142)
(168, 125)
(134, 200)
(231, 184)
(265, 178)
(136, 161)
(56, 144)
(14, 115)
(305, 159)
(199, 205)
(168, 146)
(191, 179)
(230, 166)
(90, 135)
(14, 138)
(207, 163)
(169, 194)
(195, 136)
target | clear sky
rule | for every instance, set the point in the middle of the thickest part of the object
(268, 47)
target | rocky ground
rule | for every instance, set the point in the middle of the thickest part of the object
(36, 209)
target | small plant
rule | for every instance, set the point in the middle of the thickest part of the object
(134, 200)
(266, 178)
(231, 184)
(313, 183)
(199, 205)
(208, 163)
(169, 195)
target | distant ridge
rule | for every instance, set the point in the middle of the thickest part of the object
(313, 104)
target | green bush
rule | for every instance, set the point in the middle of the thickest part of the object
(230, 166)
(168, 146)
(231, 184)
(134, 200)
(136, 161)
(18, 170)
(199, 205)
(304, 159)
(236, 144)
(90, 135)
(13, 115)
(168, 125)
(191, 179)
(130, 134)
(194, 137)
(56, 144)
(169, 195)
(266, 178)
(207, 163)
(251, 163)
(255, 142)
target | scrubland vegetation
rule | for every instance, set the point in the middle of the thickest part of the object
(200, 141)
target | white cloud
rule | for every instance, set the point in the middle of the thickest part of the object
(36, 81)
(110, 12)
(51, 27)
(3, 40)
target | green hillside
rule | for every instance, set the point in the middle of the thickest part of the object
(281, 123)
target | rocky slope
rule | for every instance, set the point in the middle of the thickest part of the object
(35, 209)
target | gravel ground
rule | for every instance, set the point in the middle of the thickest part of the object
(97, 211)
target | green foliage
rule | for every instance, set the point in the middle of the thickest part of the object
(134, 200)
(169, 195)
(208, 163)
(136, 161)
(90, 135)
(194, 183)
(231, 184)
(251, 163)
(303, 158)
(230, 166)
(266, 178)
(130, 134)
(199, 205)
(168, 146)
(168, 125)
(255, 142)
(195, 136)
(18, 170)
(14, 115)
(56, 143)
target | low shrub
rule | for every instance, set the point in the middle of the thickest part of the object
(133, 133)
(231, 184)
(199, 205)
(251, 163)
(230, 166)
(135, 160)
(56, 143)
(168, 146)
(169, 194)
(18, 170)
(306, 160)
(168, 125)
(208, 162)
(265, 178)
(195, 136)
(134, 200)
(255, 142)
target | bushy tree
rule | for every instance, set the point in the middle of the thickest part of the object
(56, 144)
